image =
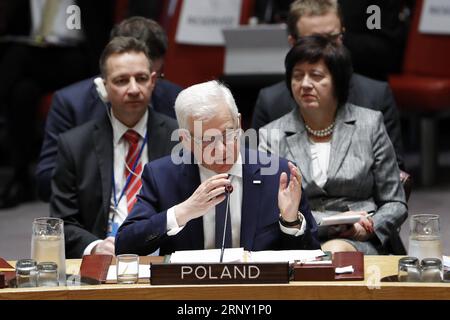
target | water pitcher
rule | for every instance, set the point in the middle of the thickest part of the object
(425, 237)
(47, 244)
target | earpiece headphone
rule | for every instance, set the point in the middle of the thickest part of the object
(101, 90)
(103, 95)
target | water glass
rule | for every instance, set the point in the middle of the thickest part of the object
(47, 244)
(408, 269)
(425, 237)
(127, 266)
(47, 274)
(431, 270)
(26, 273)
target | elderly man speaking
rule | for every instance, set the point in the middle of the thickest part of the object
(181, 205)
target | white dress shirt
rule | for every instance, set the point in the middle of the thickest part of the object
(121, 147)
(320, 154)
(209, 219)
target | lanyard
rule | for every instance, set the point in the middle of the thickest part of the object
(127, 182)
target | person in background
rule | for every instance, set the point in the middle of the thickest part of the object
(99, 164)
(182, 202)
(344, 154)
(39, 54)
(308, 17)
(80, 102)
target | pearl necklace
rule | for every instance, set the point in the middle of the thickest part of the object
(320, 133)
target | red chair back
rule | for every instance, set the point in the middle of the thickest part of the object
(426, 54)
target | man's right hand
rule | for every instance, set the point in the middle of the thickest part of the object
(105, 247)
(208, 194)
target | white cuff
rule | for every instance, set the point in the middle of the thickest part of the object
(172, 225)
(88, 249)
(295, 231)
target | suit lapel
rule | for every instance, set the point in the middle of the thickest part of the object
(103, 142)
(251, 201)
(297, 141)
(341, 140)
(156, 134)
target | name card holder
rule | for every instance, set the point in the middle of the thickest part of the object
(326, 272)
(218, 273)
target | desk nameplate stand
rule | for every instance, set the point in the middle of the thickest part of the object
(326, 272)
(7, 273)
(218, 273)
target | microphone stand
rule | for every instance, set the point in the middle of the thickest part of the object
(228, 190)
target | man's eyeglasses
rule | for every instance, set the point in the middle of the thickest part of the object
(331, 36)
(334, 36)
(228, 137)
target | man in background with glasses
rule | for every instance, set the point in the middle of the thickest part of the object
(182, 204)
(308, 17)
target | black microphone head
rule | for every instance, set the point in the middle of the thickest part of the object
(229, 188)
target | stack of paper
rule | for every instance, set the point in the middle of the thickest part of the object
(290, 256)
(208, 256)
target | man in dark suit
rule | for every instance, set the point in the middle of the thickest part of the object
(98, 166)
(182, 203)
(79, 103)
(308, 17)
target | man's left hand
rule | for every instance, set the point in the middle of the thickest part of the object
(289, 194)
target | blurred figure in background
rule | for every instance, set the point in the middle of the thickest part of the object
(41, 54)
(376, 52)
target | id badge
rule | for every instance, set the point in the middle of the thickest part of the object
(112, 229)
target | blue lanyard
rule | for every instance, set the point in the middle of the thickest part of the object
(116, 202)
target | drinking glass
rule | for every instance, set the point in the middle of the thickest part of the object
(127, 268)
(408, 269)
(431, 270)
(47, 274)
(425, 237)
(47, 244)
(26, 273)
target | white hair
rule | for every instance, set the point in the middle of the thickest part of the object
(200, 101)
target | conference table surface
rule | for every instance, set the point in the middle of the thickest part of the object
(371, 288)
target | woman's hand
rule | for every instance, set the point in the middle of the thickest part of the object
(361, 230)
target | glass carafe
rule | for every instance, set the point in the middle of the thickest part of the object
(425, 237)
(47, 244)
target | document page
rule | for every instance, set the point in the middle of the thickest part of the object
(207, 256)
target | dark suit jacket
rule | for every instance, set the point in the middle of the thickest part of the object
(275, 101)
(77, 104)
(82, 179)
(165, 184)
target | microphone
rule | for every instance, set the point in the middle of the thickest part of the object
(228, 191)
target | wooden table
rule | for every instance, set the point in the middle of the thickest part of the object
(376, 267)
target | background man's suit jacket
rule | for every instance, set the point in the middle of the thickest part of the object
(165, 184)
(275, 101)
(77, 104)
(362, 174)
(82, 180)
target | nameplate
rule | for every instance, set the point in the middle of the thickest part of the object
(219, 273)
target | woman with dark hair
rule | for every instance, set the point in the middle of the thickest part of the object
(346, 159)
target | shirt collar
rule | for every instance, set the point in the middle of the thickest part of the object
(235, 170)
(119, 128)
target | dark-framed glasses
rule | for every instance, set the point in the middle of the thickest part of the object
(229, 136)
